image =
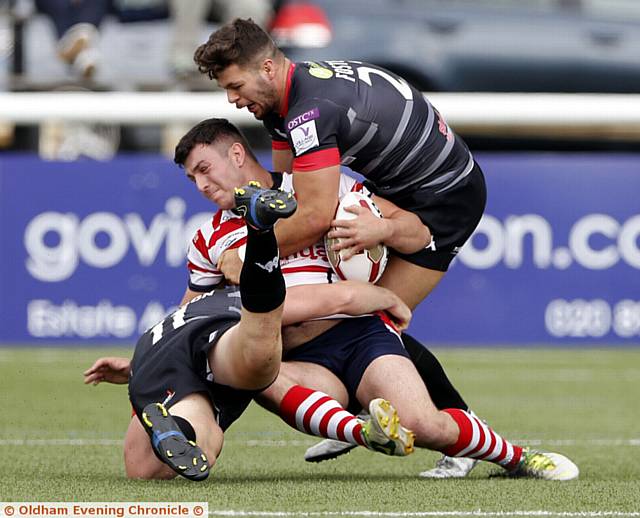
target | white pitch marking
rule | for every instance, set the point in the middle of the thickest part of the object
(61, 442)
(270, 443)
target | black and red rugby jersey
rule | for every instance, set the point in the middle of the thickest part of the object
(371, 120)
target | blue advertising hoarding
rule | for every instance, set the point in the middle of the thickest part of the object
(93, 252)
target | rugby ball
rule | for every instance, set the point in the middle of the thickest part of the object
(367, 265)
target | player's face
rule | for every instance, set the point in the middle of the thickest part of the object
(215, 174)
(249, 87)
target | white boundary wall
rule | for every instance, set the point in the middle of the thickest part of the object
(590, 115)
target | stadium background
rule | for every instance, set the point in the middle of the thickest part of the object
(94, 218)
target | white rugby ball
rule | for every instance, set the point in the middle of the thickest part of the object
(367, 265)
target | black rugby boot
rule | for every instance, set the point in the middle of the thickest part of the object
(261, 208)
(171, 446)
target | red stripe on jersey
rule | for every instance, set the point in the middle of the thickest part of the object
(192, 266)
(280, 145)
(310, 268)
(220, 230)
(201, 245)
(357, 187)
(317, 160)
(238, 243)
(287, 89)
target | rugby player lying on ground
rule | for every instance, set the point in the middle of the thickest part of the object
(195, 372)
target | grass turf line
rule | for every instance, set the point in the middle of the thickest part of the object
(537, 394)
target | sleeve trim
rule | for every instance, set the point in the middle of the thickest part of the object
(317, 160)
(280, 145)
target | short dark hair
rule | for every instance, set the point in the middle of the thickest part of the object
(209, 131)
(239, 42)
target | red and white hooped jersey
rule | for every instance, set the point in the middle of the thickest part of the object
(227, 230)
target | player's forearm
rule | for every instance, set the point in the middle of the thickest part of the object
(406, 233)
(309, 302)
(313, 301)
(361, 298)
(317, 195)
(305, 228)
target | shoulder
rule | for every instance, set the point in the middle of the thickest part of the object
(218, 234)
(275, 125)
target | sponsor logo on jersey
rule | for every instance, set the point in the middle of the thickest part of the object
(305, 137)
(270, 265)
(343, 70)
(432, 245)
(320, 72)
(305, 117)
(444, 128)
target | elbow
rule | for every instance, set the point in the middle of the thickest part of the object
(344, 298)
(316, 224)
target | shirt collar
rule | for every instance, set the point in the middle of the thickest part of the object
(287, 89)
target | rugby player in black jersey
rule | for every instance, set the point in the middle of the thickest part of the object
(321, 115)
(324, 114)
(195, 372)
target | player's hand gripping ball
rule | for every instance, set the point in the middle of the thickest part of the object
(367, 265)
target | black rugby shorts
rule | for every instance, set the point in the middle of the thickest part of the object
(180, 366)
(452, 216)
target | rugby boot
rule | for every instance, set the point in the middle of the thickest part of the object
(545, 465)
(327, 449)
(450, 467)
(171, 446)
(261, 208)
(384, 433)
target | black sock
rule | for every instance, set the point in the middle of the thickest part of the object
(262, 287)
(442, 392)
(186, 427)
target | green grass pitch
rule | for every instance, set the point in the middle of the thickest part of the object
(61, 441)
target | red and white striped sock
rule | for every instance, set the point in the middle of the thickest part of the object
(315, 413)
(478, 441)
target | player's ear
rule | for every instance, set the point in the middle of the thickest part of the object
(268, 68)
(237, 154)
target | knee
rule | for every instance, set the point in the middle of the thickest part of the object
(262, 363)
(262, 370)
(139, 460)
(141, 463)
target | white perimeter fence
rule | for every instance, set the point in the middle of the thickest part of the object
(598, 116)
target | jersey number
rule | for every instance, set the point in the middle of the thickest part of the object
(364, 74)
(177, 320)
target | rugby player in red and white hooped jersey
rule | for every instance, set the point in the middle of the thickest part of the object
(226, 230)
(359, 358)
